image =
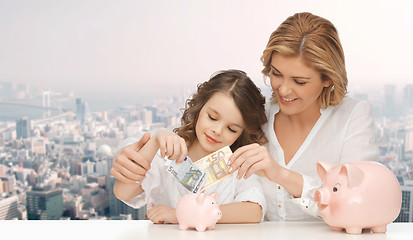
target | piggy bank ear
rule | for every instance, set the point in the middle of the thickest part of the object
(322, 169)
(354, 174)
(214, 195)
(200, 198)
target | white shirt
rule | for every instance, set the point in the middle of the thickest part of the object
(160, 187)
(343, 133)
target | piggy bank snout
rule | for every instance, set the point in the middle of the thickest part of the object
(217, 212)
(320, 196)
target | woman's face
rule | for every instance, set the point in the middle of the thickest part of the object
(296, 86)
(219, 123)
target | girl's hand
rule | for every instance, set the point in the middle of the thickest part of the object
(171, 145)
(254, 158)
(129, 165)
(162, 214)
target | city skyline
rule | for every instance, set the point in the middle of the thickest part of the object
(148, 56)
(17, 96)
(57, 167)
(112, 50)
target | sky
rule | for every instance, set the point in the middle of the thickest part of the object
(126, 51)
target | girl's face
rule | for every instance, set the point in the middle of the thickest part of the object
(296, 86)
(219, 124)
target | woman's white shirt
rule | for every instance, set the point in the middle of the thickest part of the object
(343, 133)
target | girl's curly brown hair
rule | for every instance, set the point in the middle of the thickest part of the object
(247, 97)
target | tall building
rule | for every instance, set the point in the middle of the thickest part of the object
(7, 184)
(408, 98)
(146, 116)
(154, 110)
(9, 208)
(408, 138)
(389, 107)
(82, 110)
(44, 204)
(118, 208)
(406, 212)
(23, 128)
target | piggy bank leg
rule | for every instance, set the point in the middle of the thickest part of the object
(381, 229)
(336, 228)
(211, 227)
(183, 227)
(200, 228)
(354, 230)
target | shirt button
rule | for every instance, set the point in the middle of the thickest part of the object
(279, 187)
(279, 205)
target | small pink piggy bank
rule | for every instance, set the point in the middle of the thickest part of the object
(200, 211)
(358, 195)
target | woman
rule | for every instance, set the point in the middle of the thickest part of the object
(310, 118)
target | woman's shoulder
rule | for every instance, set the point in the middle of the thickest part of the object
(350, 106)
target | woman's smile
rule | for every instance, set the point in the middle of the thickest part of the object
(287, 100)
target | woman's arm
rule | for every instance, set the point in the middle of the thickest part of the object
(255, 159)
(241, 212)
(134, 163)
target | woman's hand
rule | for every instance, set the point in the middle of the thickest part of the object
(171, 145)
(129, 165)
(162, 214)
(254, 159)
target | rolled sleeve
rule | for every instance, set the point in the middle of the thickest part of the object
(306, 201)
(250, 190)
(150, 185)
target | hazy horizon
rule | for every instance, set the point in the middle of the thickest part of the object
(115, 51)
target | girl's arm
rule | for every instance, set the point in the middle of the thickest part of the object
(241, 212)
(237, 212)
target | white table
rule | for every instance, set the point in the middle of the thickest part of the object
(140, 230)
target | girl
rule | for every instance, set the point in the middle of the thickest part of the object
(227, 110)
(309, 118)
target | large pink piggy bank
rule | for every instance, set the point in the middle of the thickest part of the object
(358, 195)
(200, 211)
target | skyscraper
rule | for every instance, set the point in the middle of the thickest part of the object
(389, 106)
(406, 212)
(118, 207)
(9, 208)
(82, 110)
(408, 138)
(408, 99)
(23, 128)
(44, 204)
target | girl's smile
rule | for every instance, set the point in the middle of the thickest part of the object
(211, 139)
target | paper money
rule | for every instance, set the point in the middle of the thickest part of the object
(188, 174)
(196, 177)
(215, 166)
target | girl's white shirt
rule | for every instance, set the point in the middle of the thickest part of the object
(343, 133)
(160, 187)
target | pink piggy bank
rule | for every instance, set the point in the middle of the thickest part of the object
(200, 211)
(358, 195)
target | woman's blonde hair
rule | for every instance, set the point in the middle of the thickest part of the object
(315, 40)
(246, 96)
